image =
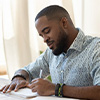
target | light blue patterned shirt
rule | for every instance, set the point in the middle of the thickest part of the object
(80, 66)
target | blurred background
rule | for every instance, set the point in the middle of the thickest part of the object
(19, 40)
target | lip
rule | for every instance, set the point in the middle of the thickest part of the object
(50, 44)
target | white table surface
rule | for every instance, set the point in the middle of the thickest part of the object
(13, 97)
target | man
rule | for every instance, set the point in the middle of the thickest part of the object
(72, 59)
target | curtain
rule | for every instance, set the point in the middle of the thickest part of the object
(22, 44)
(87, 16)
(91, 17)
(15, 34)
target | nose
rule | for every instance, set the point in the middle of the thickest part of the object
(46, 38)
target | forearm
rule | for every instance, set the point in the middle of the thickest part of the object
(22, 73)
(90, 92)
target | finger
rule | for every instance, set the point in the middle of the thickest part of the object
(34, 80)
(34, 90)
(31, 85)
(38, 80)
(11, 88)
(18, 86)
(6, 88)
(2, 88)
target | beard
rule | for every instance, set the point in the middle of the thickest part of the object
(61, 45)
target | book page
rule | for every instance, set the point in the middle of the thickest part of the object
(25, 92)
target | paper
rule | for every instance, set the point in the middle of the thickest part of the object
(25, 92)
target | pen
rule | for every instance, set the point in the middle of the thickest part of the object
(40, 73)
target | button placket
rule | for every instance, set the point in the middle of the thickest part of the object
(62, 76)
(62, 70)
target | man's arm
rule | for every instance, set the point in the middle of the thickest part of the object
(89, 92)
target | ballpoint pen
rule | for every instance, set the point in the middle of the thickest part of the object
(40, 76)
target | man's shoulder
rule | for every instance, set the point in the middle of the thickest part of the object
(89, 40)
(95, 41)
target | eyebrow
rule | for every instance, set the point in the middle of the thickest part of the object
(45, 29)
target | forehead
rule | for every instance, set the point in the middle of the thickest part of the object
(43, 22)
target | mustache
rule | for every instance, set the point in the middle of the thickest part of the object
(49, 42)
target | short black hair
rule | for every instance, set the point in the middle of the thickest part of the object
(53, 11)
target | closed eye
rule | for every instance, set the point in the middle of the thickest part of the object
(47, 31)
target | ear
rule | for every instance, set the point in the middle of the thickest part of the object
(64, 22)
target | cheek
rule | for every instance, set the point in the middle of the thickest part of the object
(55, 35)
(57, 39)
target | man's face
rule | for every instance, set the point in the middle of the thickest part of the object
(53, 34)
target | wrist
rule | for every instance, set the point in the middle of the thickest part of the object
(21, 73)
(18, 76)
(53, 89)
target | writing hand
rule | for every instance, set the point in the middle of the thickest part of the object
(42, 87)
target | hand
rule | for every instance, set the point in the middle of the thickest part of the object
(42, 87)
(16, 84)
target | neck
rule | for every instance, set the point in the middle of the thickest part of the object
(73, 34)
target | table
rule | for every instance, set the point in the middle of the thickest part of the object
(13, 97)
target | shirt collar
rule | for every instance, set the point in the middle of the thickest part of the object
(78, 42)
